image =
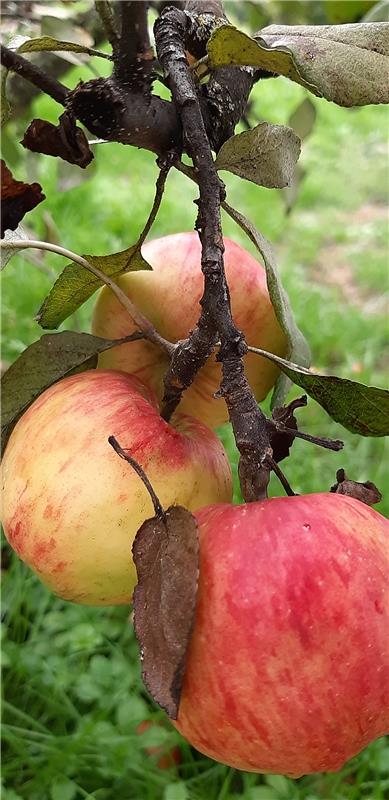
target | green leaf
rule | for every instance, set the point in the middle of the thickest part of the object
(130, 711)
(9, 794)
(48, 43)
(63, 789)
(265, 155)
(230, 47)
(75, 284)
(340, 11)
(43, 363)
(298, 351)
(347, 64)
(302, 119)
(359, 408)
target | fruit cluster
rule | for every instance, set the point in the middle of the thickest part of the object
(288, 665)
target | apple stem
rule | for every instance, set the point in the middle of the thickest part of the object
(281, 477)
(123, 453)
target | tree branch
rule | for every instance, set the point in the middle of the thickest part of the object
(111, 112)
(248, 421)
(134, 57)
(13, 61)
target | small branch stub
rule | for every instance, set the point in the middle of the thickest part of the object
(365, 492)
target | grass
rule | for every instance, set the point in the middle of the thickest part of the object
(73, 694)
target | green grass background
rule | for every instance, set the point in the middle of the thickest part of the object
(73, 694)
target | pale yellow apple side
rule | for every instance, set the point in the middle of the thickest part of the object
(72, 507)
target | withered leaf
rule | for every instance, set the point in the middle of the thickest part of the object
(17, 198)
(280, 440)
(166, 556)
(365, 492)
(64, 140)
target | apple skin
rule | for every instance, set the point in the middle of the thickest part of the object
(72, 506)
(169, 297)
(288, 666)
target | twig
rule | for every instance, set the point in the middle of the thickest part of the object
(140, 321)
(104, 10)
(123, 453)
(164, 163)
(328, 444)
(16, 63)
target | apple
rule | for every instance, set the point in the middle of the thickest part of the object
(169, 297)
(288, 666)
(72, 507)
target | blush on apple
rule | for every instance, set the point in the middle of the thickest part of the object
(72, 507)
(288, 666)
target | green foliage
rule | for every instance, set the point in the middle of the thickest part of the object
(265, 155)
(361, 409)
(75, 284)
(48, 43)
(343, 63)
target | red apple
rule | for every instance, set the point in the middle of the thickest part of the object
(72, 507)
(169, 296)
(288, 666)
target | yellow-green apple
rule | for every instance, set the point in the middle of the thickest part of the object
(288, 665)
(169, 296)
(72, 507)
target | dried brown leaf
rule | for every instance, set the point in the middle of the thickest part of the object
(17, 198)
(365, 492)
(166, 555)
(64, 140)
